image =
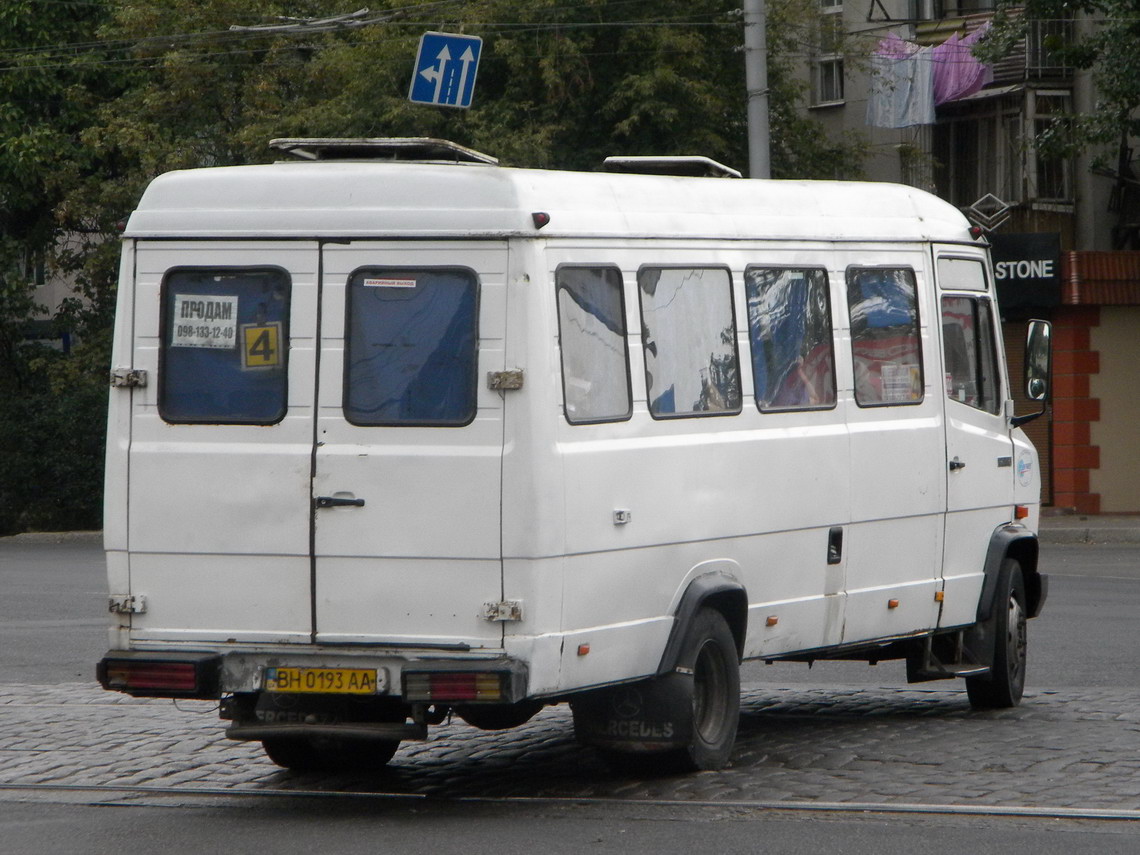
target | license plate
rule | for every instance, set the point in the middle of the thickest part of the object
(330, 681)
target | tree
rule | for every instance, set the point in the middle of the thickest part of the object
(101, 100)
(52, 74)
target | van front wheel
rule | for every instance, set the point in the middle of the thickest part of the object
(1004, 685)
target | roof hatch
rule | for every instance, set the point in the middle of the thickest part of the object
(694, 165)
(382, 148)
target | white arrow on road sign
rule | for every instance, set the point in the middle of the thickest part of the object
(436, 73)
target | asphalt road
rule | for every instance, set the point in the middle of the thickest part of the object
(224, 827)
(1085, 636)
(53, 620)
(52, 601)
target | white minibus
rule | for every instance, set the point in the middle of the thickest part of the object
(396, 432)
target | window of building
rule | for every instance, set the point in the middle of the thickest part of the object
(1051, 175)
(885, 345)
(987, 147)
(827, 65)
(412, 346)
(789, 323)
(591, 333)
(225, 346)
(971, 361)
(689, 339)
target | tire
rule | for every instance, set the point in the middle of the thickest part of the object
(709, 651)
(1004, 685)
(329, 754)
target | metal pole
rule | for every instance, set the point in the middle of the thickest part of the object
(756, 82)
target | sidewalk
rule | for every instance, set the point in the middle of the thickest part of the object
(1090, 528)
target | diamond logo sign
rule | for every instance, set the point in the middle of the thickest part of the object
(445, 70)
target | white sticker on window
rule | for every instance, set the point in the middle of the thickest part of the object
(202, 321)
(900, 382)
(372, 282)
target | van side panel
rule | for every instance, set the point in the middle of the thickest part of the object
(750, 496)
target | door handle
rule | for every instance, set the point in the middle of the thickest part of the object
(956, 464)
(338, 502)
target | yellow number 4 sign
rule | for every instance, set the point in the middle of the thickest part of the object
(261, 345)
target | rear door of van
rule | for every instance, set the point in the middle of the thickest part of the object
(218, 492)
(317, 459)
(409, 444)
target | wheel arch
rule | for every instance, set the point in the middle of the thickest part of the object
(716, 591)
(1020, 544)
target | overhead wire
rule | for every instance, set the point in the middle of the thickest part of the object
(102, 52)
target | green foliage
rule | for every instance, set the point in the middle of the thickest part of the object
(98, 99)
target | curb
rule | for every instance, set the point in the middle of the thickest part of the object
(55, 537)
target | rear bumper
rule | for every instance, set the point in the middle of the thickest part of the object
(209, 675)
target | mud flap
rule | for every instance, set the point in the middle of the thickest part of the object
(639, 718)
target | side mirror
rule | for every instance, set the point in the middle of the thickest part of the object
(1038, 368)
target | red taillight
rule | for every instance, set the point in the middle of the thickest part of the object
(161, 675)
(153, 676)
(454, 686)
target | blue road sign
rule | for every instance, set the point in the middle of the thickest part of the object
(445, 70)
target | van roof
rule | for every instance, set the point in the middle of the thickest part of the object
(362, 199)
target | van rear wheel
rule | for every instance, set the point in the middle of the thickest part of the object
(682, 721)
(710, 652)
(329, 754)
(1005, 684)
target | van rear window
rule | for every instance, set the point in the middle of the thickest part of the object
(412, 346)
(225, 346)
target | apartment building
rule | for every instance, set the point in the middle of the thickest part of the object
(1066, 235)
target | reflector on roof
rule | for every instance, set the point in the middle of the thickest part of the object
(381, 148)
(694, 165)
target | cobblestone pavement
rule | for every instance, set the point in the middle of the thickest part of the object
(1077, 749)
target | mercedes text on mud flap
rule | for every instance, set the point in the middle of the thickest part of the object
(396, 432)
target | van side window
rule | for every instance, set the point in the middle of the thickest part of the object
(968, 342)
(412, 346)
(689, 337)
(789, 322)
(225, 346)
(591, 334)
(885, 344)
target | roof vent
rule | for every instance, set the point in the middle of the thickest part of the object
(694, 165)
(382, 148)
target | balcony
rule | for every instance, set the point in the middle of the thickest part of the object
(1033, 58)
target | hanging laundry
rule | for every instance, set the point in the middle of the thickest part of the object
(957, 72)
(908, 80)
(902, 84)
